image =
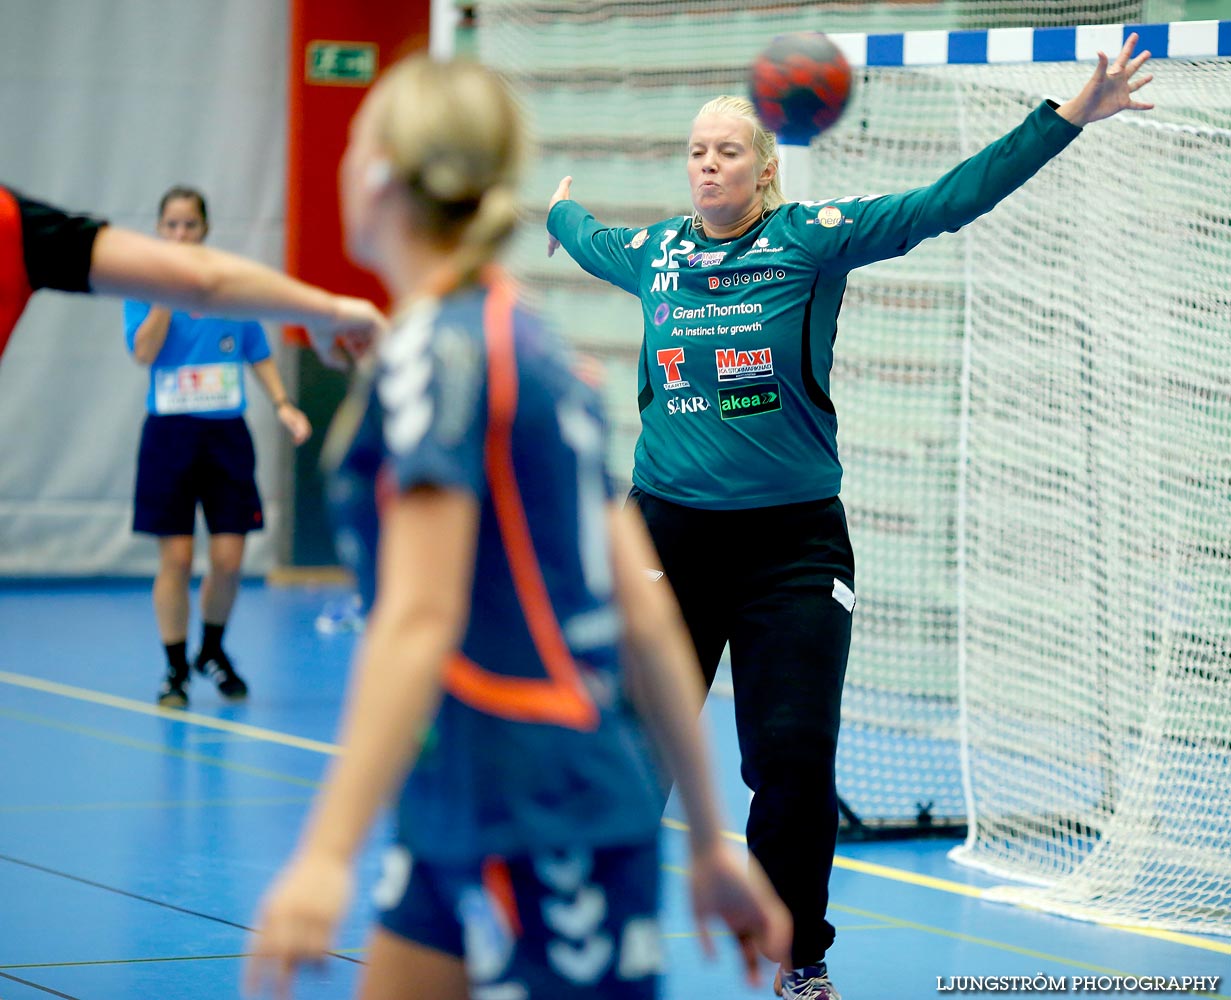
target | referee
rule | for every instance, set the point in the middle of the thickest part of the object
(736, 470)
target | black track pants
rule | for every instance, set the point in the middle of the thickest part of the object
(763, 580)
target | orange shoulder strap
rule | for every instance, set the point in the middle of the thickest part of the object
(560, 698)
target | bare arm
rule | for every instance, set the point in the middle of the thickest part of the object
(561, 194)
(151, 335)
(202, 279)
(664, 681)
(292, 418)
(664, 678)
(426, 562)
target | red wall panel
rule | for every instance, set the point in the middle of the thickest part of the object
(319, 116)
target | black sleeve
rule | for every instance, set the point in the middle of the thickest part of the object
(57, 245)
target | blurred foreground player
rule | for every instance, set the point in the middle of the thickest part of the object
(491, 687)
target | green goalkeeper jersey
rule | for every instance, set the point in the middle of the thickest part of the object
(739, 334)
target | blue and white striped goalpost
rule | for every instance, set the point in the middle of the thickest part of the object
(992, 46)
(1178, 40)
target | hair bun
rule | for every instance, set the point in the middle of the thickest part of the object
(444, 178)
(451, 175)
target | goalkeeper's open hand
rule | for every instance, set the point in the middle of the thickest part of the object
(1110, 90)
(560, 195)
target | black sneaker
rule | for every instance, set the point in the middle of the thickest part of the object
(218, 668)
(174, 690)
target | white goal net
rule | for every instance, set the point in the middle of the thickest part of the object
(1035, 422)
(1094, 516)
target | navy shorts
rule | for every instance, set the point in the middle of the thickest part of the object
(560, 925)
(188, 460)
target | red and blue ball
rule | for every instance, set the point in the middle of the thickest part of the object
(800, 85)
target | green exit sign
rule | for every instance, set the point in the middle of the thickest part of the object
(341, 62)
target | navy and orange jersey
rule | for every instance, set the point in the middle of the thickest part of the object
(738, 335)
(535, 744)
(40, 247)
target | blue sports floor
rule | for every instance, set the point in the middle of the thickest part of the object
(135, 842)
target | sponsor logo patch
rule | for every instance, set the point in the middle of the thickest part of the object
(712, 310)
(638, 241)
(760, 246)
(739, 278)
(670, 358)
(706, 258)
(747, 402)
(733, 364)
(689, 404)
(661, 314)
(829, 217)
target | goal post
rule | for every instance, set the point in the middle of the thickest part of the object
(1035, 416)
(1092, 499)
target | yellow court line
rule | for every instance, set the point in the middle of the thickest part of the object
(285, 739)
(866, 868)
(914, 878)
(718, 932)
(171, 714)
(219, 739)
(958, 888)
(1175, 937)
(975, 892)
(335, 952)
(295, 800)
(887, 922)
(158, 748)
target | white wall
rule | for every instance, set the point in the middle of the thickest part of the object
(103, 105)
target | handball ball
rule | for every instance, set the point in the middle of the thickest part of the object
(800, 85)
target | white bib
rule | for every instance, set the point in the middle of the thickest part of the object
(198, 388)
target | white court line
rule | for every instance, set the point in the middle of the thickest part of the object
(171, 714)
